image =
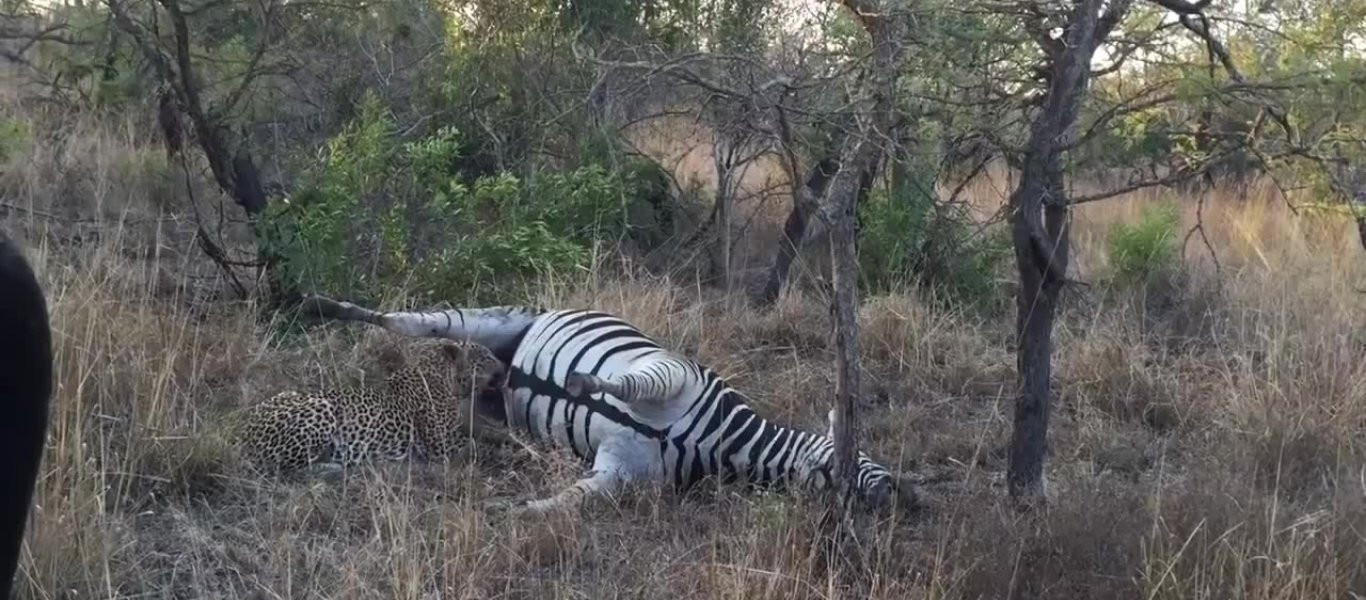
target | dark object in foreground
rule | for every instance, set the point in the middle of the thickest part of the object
(25, 392)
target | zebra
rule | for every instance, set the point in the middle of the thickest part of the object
(589, 381)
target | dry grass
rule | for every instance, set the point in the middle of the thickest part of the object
(1207, 436)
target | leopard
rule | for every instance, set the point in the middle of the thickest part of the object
(429, 404)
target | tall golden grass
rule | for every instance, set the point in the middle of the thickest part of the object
(1207, 434)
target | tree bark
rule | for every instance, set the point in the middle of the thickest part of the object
(1036, 306)
(722, 160)
(1361, 228)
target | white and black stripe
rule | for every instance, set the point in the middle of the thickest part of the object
(593, 383)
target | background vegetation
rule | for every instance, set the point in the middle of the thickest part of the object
(1209, 377)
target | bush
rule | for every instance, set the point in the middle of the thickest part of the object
(312, 234)
(1146, 249)
(376, 215)
(515, 230)
(905, 238)
(15, 138)
(892, 230)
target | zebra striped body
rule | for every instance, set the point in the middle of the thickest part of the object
(591, 382)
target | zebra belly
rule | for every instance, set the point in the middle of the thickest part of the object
(548, 419)
(686, 464)
(559, 422)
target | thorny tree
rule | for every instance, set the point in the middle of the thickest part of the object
(1039, 214)
(886, 27)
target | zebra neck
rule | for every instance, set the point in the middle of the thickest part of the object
(769, 452)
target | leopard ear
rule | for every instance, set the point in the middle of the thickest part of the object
(452, 351)
(390, 358)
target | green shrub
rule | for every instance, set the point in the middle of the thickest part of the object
(312, 235)
(892, 230)
(905, 238)
(377, 215)
(434, 158)
(516, 231)
(1141, 251)
(15, 138)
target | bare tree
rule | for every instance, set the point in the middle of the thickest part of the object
(181, 90)
(229, 159)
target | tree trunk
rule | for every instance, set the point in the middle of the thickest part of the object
(844, 274)
(844, 279)
(1361, 227)
(794, 230)
(722, 156)
(1036, 305)
(1039, 215)
(862, 152)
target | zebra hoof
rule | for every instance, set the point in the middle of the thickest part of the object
(578, 384)
(321, 306)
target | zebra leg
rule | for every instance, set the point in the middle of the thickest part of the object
(497, 328)
(599, 482)
(578, 384)
(655, 382)
(327, 308)
(618, 462)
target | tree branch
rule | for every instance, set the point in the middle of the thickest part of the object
(1182, 7)
(1136, 186)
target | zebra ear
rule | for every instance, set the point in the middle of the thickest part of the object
(830, 420)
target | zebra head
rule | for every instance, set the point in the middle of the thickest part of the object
(874, 483)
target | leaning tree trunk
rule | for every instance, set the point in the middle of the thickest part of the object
(230, 161)
(794, 229)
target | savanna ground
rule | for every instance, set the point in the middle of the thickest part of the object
(1206, 438)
